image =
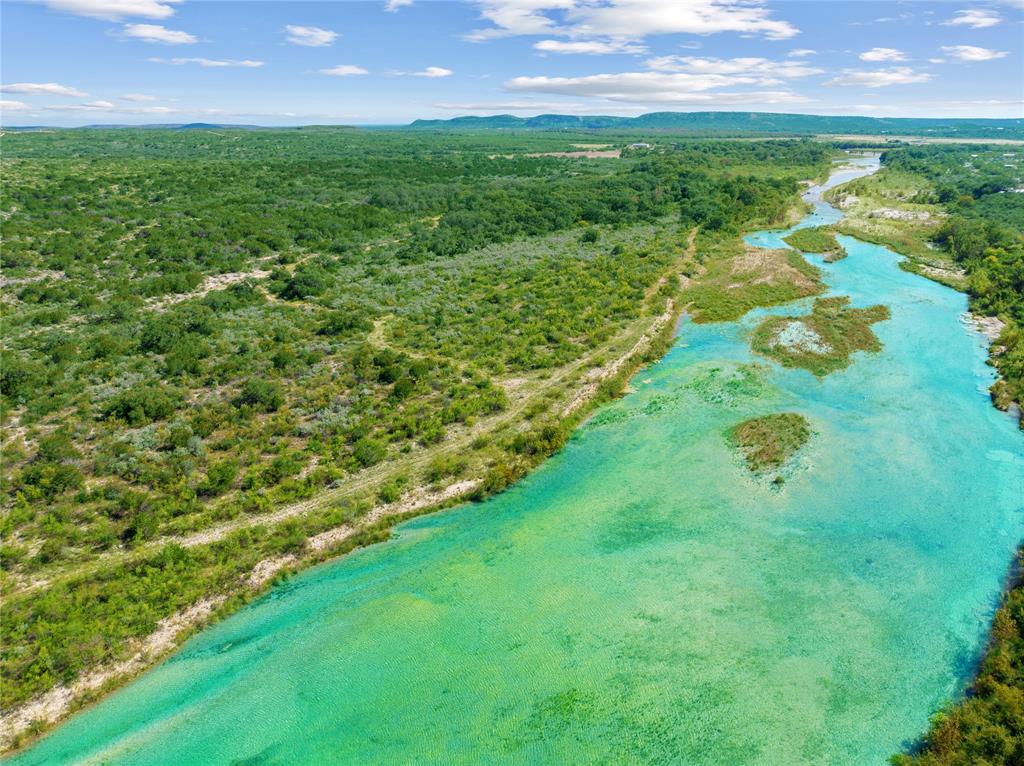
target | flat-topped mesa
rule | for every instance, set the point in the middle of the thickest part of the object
(822, 341)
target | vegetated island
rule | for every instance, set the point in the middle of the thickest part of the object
(735, 278)
(819, 240)
(769, 441)
(823, 341)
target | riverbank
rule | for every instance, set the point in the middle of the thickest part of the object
(583, 386)
(985, 726)
(901, 210)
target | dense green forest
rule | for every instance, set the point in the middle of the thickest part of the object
(205, 327)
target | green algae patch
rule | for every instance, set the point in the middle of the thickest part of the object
(823, 341)
(728, 385)
(768, 442)
(820, 240)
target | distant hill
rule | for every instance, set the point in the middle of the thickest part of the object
(759, 123)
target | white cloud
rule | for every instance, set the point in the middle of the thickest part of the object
(883, 54)
(107, 107)
(802, 53)
(138, 97)
(628, 19)
(589, 47)
(900, 17)
(7, 105)
(430, 71)
(312, 37)
(879, 78)
(654, 87)
(517, 17)
(211, 63)
(92, 106)
(155, 33)
(975, 18)
(115, 10)
(394, 5)
(344, 70)
(702, 17)
(764, 71)
(972, 53)
(42, 88)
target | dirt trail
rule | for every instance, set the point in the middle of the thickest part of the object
(369, 478)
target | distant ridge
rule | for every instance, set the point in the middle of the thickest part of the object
(695, 123)
(149, 126)
(742, 122)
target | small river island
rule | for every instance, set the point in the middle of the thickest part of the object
(819, 240)
(823, 341)
(769, 441)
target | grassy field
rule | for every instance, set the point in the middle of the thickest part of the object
(733, 278)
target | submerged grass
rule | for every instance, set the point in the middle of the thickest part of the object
(988, 726)
(823, 341)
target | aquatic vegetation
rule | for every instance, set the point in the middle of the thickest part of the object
(822, 341)
(819, 240)
(728, 384)
(769, 441)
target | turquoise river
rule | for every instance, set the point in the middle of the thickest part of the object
(642, 598)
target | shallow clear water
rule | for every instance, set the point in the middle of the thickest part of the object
(642, 598)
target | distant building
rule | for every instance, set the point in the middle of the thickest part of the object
(640, 146)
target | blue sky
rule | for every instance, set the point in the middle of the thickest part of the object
(73, 62)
